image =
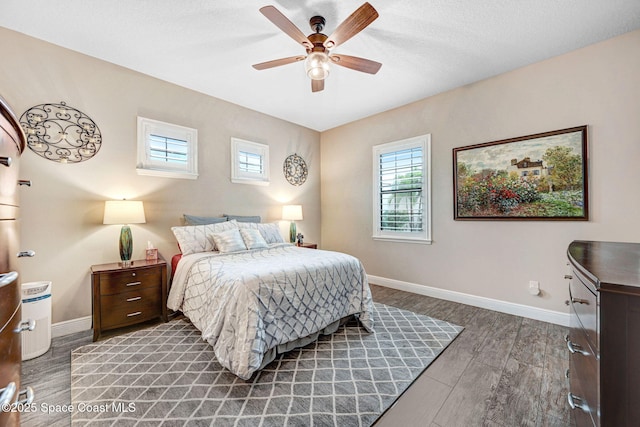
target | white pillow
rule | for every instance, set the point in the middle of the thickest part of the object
(253, 239)
(196, 238)
(229, 241)
(270, 231)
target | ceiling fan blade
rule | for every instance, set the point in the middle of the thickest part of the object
(355, 63)
(356, 22)
(277, 62)
(317, 85)
(282, 22)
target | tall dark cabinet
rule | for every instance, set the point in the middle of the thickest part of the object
(12, 143)
(604, 337)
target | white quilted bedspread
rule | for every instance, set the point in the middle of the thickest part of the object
(248, 302)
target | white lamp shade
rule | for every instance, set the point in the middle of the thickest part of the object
(292, 212)
(123, 212)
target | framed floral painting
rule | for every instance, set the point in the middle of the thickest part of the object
(535, 177)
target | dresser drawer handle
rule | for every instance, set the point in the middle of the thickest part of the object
(568, 276)
(134, 283)
(133, 299)
(5, 161)
(137, 313)
(575, 348)
(576, 402)
(29, 254)
(580, 301)
(7, 394)
(8, 278)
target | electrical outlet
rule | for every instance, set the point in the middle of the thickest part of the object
(534, 287)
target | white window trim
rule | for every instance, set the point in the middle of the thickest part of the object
(240, 177)
(422, 237)
(145, 166)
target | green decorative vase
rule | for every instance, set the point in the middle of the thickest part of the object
(292, 232)
(126, 244)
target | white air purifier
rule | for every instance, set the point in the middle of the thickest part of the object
(36, 305)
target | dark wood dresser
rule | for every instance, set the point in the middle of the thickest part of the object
(12, 143)
(604, 337)
(125, 296)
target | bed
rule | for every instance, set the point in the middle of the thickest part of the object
(254, 303)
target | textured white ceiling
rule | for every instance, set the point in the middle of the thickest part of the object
(425, 46)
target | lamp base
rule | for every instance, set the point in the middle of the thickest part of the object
(292, 232)
(126, 245)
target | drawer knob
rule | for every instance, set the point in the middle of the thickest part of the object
(133, 274)
(568, 276)
(577, 402)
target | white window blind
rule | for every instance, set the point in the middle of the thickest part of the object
(249, 162)
(401, 204)
(402, 193)
(168, 150)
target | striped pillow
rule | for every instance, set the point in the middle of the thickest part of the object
(253, 239)
(229, 241)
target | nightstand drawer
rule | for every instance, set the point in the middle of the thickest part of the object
(130, 307)
(125, 281)
(125, 296)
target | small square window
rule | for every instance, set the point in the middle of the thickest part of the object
(249, 162)
(168, 150)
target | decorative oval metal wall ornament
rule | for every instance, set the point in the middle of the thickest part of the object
(295, 170)
(61, 133)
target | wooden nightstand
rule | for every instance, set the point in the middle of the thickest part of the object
(309, 245)
(124, 296)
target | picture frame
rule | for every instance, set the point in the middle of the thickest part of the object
(535, 177)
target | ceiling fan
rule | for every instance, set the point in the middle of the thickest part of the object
(318, 45)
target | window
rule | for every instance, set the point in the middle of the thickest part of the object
(249, 162)
(167, 150)
(402, 190)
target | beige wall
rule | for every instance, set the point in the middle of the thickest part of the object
(598, 86)
(62, 211)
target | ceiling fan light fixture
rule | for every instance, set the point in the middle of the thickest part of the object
(317, 65)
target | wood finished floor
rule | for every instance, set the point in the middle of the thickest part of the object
(502, 370)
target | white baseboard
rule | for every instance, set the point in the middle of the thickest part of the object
(72, 326)
(477, 301)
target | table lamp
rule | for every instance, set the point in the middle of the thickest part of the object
(292, 213)
(124, 212)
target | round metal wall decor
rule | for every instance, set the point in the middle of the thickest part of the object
(61, 133)
(295, 170)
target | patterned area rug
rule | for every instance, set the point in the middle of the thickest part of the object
(167, 375)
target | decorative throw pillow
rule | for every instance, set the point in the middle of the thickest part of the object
(253, 239)
(229, 241)
(241, 218)
(270, 231)
(195, 238)
(203, 220)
